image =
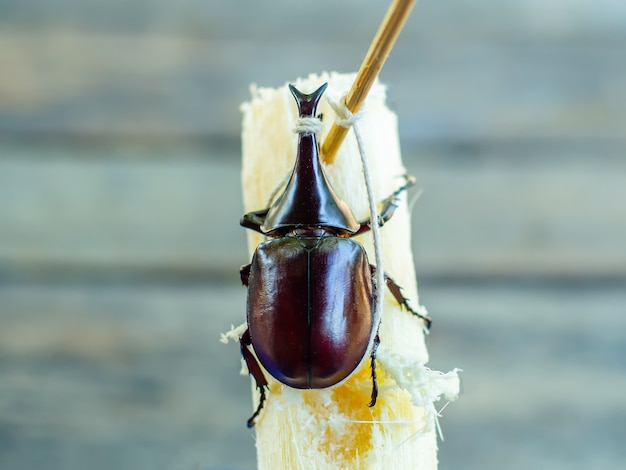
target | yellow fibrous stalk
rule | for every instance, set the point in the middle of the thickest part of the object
(334, 428)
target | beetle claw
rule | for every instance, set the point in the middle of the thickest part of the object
(251, 422)
(374, 395)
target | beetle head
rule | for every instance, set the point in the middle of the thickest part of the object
(308, 199)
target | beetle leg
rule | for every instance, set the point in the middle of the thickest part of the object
(373, 365)
(389, 206)
(255, 369)
(244, 272)
(254, 220)
(396, 291)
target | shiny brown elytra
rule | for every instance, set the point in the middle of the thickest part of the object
(310, 296)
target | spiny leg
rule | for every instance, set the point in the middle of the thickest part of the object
(255, 369)
(396, 291)
(389, 206)
(391, 203)
(373, 366)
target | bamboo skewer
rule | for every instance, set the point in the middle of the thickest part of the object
(378, 52)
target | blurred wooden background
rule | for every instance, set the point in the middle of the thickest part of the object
(120, 201)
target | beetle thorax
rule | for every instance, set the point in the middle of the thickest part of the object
(316, 232)
(308, 199)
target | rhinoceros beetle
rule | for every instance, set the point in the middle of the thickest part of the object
(310, 297)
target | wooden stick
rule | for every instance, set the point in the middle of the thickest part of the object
(370, 68)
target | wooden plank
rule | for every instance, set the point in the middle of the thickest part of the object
(179, 216)
(251, 20)
(120, 215)
(102, 377)
(502, 217)
(537, 71)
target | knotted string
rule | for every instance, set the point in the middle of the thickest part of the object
(345, 118)
(307, 126)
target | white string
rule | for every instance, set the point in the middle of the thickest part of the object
(308, 125)
(345, 118)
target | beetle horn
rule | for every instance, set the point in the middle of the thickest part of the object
(308, 199)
